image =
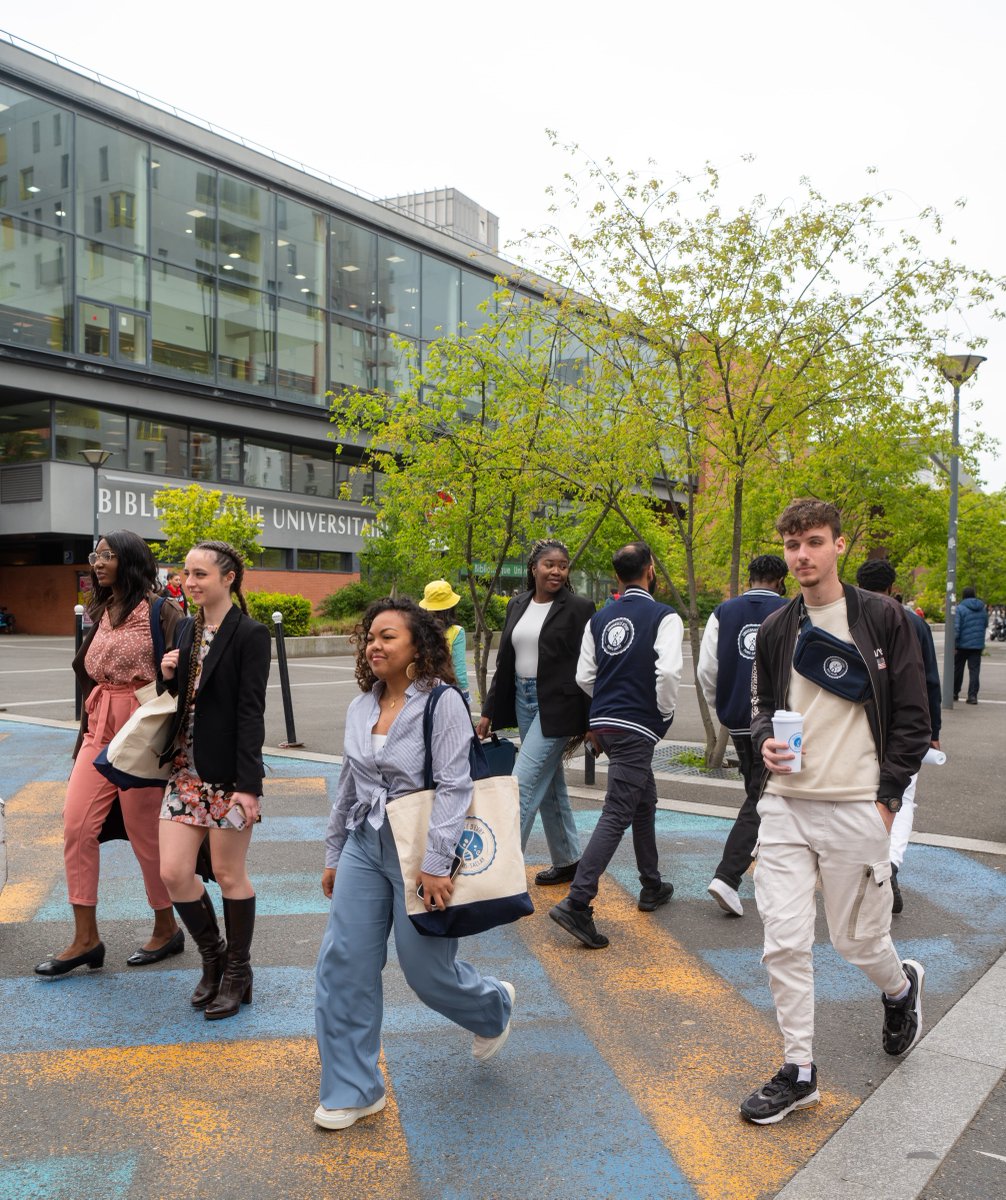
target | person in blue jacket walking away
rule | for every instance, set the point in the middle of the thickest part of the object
(970, 622)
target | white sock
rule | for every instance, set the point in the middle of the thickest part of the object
(903, 993)
(804, 1074)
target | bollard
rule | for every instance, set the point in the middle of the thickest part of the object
(589, 762)
(78, 637)
(291, 742)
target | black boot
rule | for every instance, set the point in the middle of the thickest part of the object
(236, 985)
(200, 920)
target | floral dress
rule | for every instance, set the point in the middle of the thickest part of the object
(187, 799)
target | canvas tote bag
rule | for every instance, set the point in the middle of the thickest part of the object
(490, 888)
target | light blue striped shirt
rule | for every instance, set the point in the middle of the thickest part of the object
(368, 780)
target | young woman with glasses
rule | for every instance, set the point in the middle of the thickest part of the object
(115, 659)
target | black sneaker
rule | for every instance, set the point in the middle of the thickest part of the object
(652, 897)
(782, 1093)
(897, 903)
(903, 1018)
(579, 922)
(553, 875)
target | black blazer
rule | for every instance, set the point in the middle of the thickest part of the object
(230, 703)
(564, 709)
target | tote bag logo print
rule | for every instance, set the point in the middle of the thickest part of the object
(477, 847)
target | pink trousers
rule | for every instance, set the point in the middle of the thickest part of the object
(89, 797)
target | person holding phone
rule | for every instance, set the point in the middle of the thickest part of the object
(219, 670)
(401, 656)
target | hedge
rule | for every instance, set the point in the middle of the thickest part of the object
(296, 611)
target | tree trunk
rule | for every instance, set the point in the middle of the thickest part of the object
(735, 541)
(715, 760)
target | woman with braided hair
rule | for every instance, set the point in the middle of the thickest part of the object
(535, 689)
(219, 670)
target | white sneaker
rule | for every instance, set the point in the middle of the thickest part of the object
(484, 1048)
(342, 1118)
(726, 897)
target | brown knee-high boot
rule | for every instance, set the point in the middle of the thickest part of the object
(236, 985)
(200, 920)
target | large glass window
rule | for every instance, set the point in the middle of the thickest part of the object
(203, 452)
(353, 355)
(313, 472)
(267, 464)
(157, 448)
(182, 311)
(354, 270)
(300, 252)
(230, 459)
(300, 353)
(25, 433)
(32, 158)
(247, 241)
(80, 427)
(398, 287)
(35, 277)
(245, 332)
(441, 298)
(477, 291)
(394, 363)
(184, 217)
(115, 276)
(111, 185)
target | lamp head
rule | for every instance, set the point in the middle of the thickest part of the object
(95, 458)
(958, 368)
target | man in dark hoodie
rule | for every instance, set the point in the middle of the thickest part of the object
(970, 622)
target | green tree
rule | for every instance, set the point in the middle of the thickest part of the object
(195, 514)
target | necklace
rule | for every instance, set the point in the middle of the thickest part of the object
(393, 703)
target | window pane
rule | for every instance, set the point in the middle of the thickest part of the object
(247, 241)
(354, 355)
(184, 217)
(131, 337)
(34, 285)
(156, 448)
(476, 290)
(354, 270)
(300, 252)
(398, 287)
(94, 329)
(244, 325)
(272, 557)
(203, 448)
(32, 148)
(393, 365)
(25, 435)
(307, 560)
(313, 472)
(79, 427)
(267, 465)
(111, 185)
(230, 459)
(183, 321)
(300, 353)
(441, 298)
(335, 560)
(115, 276)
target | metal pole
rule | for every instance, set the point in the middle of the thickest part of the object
(94, 468)
(78, 637)
(951, 597)
(291, 742)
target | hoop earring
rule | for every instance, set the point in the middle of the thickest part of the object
(410, 672)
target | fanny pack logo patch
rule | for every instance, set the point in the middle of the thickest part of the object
(836, 667)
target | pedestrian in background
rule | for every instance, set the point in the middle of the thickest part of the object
(219, 671)
(442, 600)
(535, 688)
(400, 657)
(115, 659)
(174, 591)
(724, 675)
(970, 622)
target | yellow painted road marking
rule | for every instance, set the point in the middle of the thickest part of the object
(685, 1046)
(34, 829)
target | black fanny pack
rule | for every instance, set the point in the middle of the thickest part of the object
(832, 664)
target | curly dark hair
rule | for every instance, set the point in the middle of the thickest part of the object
(433, 659)
(809, 513)
(136, 574)
(540, 548)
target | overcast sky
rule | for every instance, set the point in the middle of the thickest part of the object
(398, 97)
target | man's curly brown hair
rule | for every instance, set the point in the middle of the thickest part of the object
(433, 658)
(806, 514)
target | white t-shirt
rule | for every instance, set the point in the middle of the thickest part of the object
(525, 639)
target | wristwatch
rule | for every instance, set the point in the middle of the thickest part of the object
(892, 803)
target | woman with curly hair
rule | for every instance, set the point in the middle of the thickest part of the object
(401, 655)
(115, 659)
(219, 671)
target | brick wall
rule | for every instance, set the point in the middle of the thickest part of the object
(315, 585)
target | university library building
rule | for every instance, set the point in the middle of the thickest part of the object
(174, 307)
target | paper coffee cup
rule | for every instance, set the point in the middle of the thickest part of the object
(934, 757)
(788, 727)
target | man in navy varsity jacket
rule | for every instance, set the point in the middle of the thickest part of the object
(630, 666)
(724, 675)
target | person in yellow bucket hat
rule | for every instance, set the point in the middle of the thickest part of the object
(440, 598)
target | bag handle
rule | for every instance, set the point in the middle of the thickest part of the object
(156, 632)
(478, 764)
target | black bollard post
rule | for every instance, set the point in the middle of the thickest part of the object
(291, 742)
(588, 765)
(78, 637)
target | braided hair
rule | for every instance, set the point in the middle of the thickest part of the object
(538, 550)
(228, 559)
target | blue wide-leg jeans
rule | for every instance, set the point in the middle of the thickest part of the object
(541, 780)
(367, 902)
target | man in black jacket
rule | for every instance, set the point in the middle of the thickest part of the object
(849, 662)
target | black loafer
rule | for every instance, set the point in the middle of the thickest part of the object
(556, 875)
(142, 958)
(92, 959)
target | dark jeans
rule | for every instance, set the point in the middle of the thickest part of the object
(631, 799)
(974, 660)
(737, 853)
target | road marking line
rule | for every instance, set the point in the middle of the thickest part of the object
(34, 830)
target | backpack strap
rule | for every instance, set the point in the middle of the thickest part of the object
(478, 764)
(156, 632)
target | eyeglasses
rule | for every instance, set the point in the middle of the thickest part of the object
(97, 556)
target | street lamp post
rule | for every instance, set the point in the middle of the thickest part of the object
(96, 459)
(955, 369)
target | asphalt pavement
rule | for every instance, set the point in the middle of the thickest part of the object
(625, 1067)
